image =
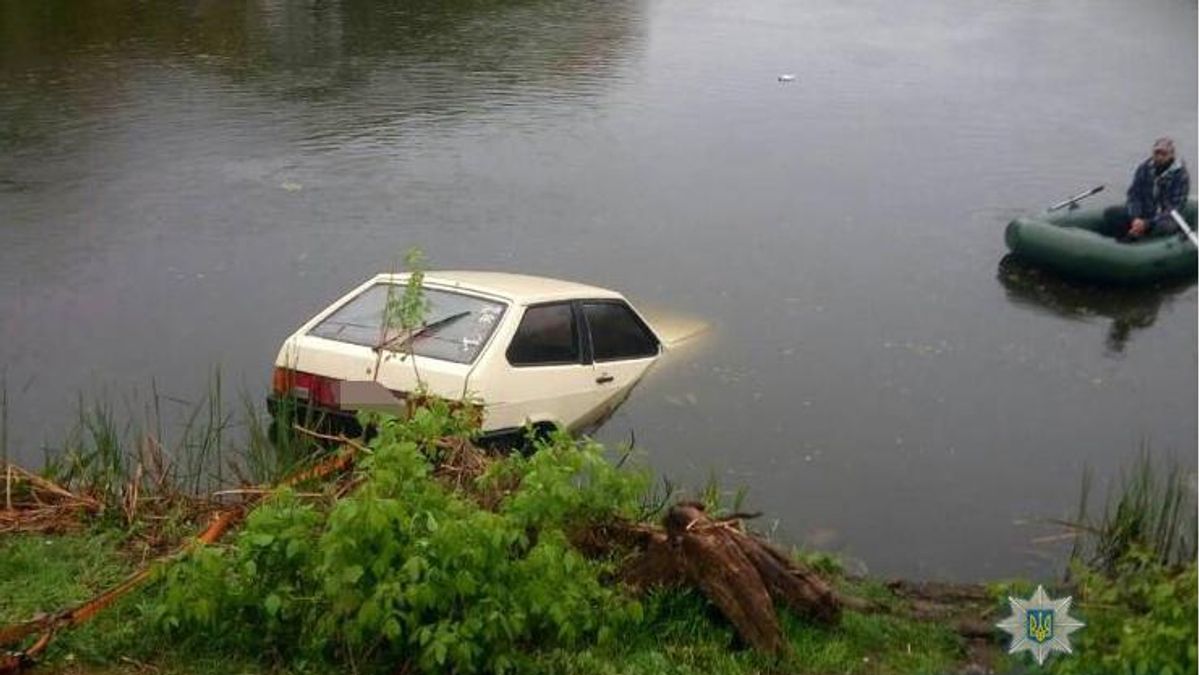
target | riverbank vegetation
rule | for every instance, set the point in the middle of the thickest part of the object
(429, 556)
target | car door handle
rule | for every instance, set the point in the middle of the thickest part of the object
(604, 379)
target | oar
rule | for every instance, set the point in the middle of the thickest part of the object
(1073, 201)
(1185, 228)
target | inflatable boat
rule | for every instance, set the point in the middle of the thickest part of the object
(1085, 243)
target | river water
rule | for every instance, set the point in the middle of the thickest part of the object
(182, 183)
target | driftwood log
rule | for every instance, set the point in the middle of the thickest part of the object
(742, 575)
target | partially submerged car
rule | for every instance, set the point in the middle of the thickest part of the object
(533, 351)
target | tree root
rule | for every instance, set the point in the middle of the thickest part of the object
(742, 575)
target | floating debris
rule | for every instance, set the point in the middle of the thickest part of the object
(787, 77)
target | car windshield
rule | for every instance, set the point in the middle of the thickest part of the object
(455, 329)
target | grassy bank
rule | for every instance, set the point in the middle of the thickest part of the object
(422, 559)
(677, 634)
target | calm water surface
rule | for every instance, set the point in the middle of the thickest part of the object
(182, 183)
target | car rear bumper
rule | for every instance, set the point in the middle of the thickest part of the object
(328, 420)
(317, 418)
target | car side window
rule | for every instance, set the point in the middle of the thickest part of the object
(546, 336)
(617, 333)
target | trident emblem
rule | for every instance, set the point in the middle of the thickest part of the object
(1040, 625)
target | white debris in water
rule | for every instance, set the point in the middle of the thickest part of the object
(291, 186)
(787, 77)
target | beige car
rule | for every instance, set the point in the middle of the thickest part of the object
(535, 351)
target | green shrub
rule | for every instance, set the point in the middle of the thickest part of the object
(405, 570)
(1139, 622)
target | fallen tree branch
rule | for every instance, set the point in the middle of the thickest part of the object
(35, 504)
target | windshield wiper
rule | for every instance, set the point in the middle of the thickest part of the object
(423, 330)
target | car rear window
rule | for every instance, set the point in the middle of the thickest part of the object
(456, 326)
(545, 337)
(617, 333)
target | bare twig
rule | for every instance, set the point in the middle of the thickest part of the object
(131, 494)
(260, 492)
(339, 438)
(1051, 538)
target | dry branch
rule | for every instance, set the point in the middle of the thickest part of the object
(35, 504)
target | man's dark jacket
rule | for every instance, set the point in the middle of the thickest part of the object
(1154, 193)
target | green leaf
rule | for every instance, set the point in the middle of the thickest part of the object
(294, 547)
(272, 604)
(352, 574)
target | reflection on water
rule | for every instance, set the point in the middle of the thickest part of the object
(361, 64)
(1129, 309)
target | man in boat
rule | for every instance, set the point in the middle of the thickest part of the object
(1159, 186)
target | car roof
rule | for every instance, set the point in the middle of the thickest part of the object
(522, 289)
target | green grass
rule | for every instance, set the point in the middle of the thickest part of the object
(41, 574)
(684, 637)
(46, 574)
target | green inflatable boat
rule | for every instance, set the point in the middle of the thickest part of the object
(1082, 243)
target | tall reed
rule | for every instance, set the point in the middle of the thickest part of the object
(197, 448)
(1150, 511)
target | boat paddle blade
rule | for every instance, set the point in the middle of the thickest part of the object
(1182, 224)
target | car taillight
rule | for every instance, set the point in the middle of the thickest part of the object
(314, 389)
(280, 381)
